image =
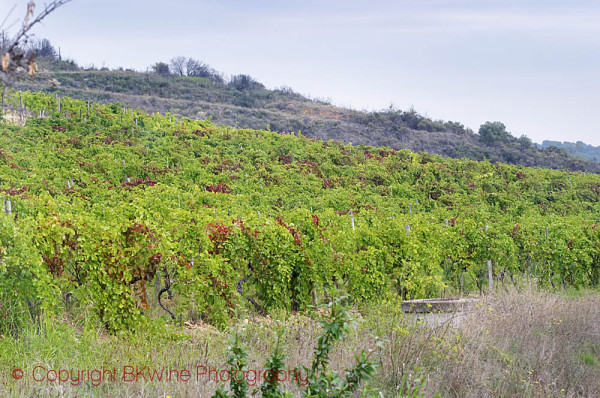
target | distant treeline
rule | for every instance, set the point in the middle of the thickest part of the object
(578, 148)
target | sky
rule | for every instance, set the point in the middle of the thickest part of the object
(532, 64)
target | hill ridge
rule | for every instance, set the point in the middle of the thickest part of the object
(251, 105)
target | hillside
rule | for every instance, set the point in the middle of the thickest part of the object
(135, 239)
(180, 233)
(245, 103)
(578, 149)
(104, 198)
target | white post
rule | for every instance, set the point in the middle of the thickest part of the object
(490, 275)
(352, 219)
(8, 207)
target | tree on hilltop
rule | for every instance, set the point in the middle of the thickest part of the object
(492, 132)
(178, 66)
(161, 68)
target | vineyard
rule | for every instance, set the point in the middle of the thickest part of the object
(114, 209)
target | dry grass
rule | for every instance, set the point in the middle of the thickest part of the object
(520, 345)
(525, 345)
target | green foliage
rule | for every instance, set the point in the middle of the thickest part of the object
(161, 68)
(493, 132)
(26, 289)
(320, 381)
(237, 359)
(274, 365)
(106, 199)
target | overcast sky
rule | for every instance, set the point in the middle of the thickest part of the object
(532, 64)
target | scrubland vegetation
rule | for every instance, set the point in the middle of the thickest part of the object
(189, 87)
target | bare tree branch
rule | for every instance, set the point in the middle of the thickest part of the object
(178, 66)
(14, 64)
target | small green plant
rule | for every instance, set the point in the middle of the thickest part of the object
(270, 388)
(237, 359)
(589, 358)
(320, 382)
(410, 388)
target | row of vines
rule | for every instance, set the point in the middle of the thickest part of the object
(112, 209)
